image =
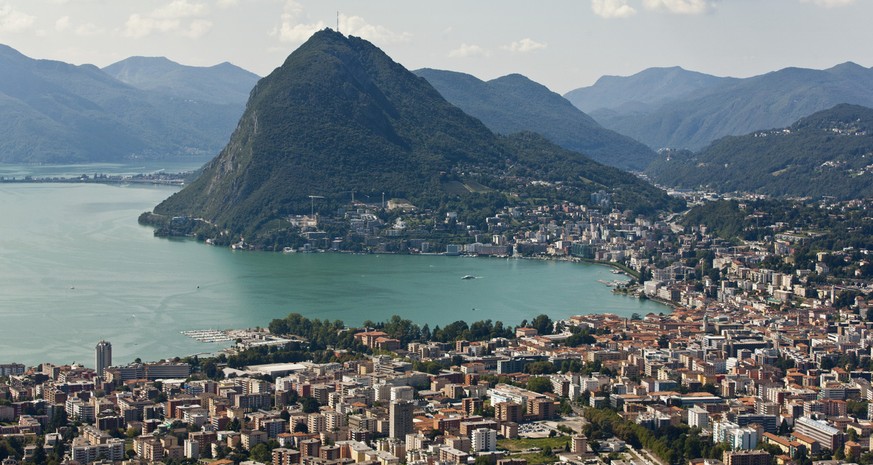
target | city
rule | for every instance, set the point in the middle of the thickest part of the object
(759, 360)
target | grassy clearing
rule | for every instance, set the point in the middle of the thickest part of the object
(536, 459)
(556, 443)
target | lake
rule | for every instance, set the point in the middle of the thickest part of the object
(75, 268)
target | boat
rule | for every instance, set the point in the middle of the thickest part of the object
(468, 276)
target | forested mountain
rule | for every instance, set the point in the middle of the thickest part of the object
(829, 153)
(56, 112)
(738, 106)
(514, 103)
(339, 116)
(223, 83)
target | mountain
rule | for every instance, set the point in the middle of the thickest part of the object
(339, 116)
(222, 84)
(643, 90)
(54, 112)
(829, 153)
(740, 106)
(514, 103)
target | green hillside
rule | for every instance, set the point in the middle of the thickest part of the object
(829, 153)
(339, 116)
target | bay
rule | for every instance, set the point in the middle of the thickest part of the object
(75, 268)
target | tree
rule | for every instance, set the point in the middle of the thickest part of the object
(543, 324)
(540, 368)
(852, 434)
(309, 405)
(234, 425)
(539, 384)
(663, 341)
(783, 428)
(39, 455)
(261, 453)
(857, 408)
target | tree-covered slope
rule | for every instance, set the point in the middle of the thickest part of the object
(514, 103)
(57, 112)
(339, 116)
(829, 153)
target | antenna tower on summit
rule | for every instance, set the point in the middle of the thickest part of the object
(337, 21)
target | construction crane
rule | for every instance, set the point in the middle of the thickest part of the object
(312, 203)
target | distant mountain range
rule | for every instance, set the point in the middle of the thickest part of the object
(829, 153)
(340, 116)
(672, 107)
(642, 91)
(223, 83)
(514, 103)
(54, 112)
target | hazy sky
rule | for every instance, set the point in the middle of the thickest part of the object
(563, 44)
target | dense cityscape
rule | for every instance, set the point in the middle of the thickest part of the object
(764, 358)
(713, 304)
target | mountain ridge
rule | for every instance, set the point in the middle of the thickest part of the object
(644, 89)
(738, 106)
(223, 83)
(515, 103)
(56, 112)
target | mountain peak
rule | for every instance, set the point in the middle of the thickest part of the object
(341, 116)
(850, 65)
(338, 115)
(10, 53)
(651, 86)
(222, 84)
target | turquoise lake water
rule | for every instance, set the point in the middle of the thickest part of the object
(75, 268)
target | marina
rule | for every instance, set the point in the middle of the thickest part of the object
(207, 335)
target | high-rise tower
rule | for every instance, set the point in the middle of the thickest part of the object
(400, 418)
(102, 357)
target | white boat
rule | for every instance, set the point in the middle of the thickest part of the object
(469, 276)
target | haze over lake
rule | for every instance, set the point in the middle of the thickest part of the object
(75, 267)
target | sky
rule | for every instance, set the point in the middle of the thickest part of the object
(563, 44)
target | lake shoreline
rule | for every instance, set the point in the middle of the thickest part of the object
(75, 264)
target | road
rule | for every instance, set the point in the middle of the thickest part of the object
(646, 457)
